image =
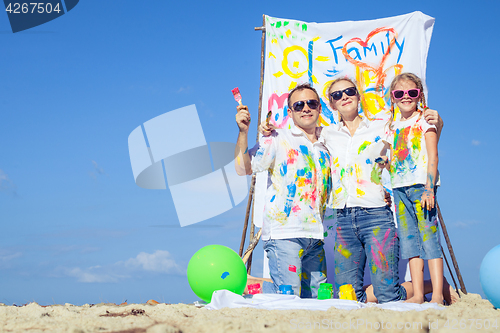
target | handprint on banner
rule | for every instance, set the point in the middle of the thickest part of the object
(163, 150)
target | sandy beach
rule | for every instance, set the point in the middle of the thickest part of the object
(470, 313)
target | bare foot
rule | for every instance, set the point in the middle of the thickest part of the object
(438, 299)
(449, 294)
(415, 299)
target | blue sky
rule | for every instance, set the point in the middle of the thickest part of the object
(75, 226)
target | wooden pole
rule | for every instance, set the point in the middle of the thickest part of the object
(450, 249)
(252, 230)
(449, 270)
(252, 186)
(251, 246)
(261, 89)
(245, 225)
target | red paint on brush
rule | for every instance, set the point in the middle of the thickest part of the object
(237, 95)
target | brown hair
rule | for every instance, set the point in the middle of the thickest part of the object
(418, 82)
(300, 87)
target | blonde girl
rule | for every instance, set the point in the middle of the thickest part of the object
(414, 177)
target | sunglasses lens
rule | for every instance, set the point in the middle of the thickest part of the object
(413, 93)
(350, 91)
(298, 106)
(312, 104)
(398, 94)
(336, 95)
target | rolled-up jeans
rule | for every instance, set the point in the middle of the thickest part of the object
(418, 228)
(299, 262)
(368, 234)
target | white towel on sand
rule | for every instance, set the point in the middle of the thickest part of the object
(226, 299)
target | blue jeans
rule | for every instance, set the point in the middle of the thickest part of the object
(299, 262)
(368, 234)
(418, 228)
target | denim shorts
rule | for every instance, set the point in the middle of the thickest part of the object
(418, 228)
(368, 234)
(299, 262)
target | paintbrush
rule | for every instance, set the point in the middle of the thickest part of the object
(237, 95)
(268, 117)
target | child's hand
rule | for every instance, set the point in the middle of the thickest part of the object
(266, 129)
(431, 117)
(387, 198)
(427, 200)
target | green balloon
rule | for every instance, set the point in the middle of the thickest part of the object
(216, 267)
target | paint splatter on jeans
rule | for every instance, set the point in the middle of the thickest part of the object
(418, 228)
(299, 262)
(368, 235)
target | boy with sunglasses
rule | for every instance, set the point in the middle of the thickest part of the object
(300, 183)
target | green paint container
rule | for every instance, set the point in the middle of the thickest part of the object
(325, 291)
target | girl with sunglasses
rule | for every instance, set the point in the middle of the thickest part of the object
(414, 177)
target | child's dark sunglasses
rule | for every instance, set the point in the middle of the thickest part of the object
(413, 93)
(299, 106)
(336, 95)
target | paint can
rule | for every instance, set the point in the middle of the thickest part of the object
(347, 292)
(325, 291)
(285, 289)
(254, 289)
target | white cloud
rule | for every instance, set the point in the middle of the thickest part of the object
(159, 261)
(476, 142)
(6, 258)
(465, 224)
(63, 249)
(97, 171)
(183, 89)
(93, 275)
(6, 184)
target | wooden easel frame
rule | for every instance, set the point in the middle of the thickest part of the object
(254, 239)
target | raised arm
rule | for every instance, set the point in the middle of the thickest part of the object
(242, 158)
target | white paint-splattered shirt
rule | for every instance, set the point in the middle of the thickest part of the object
(409, 152)
(356, 178)
(300, 183)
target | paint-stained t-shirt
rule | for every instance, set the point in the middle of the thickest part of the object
(300, 183)
(356, 178)
(409, 152)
